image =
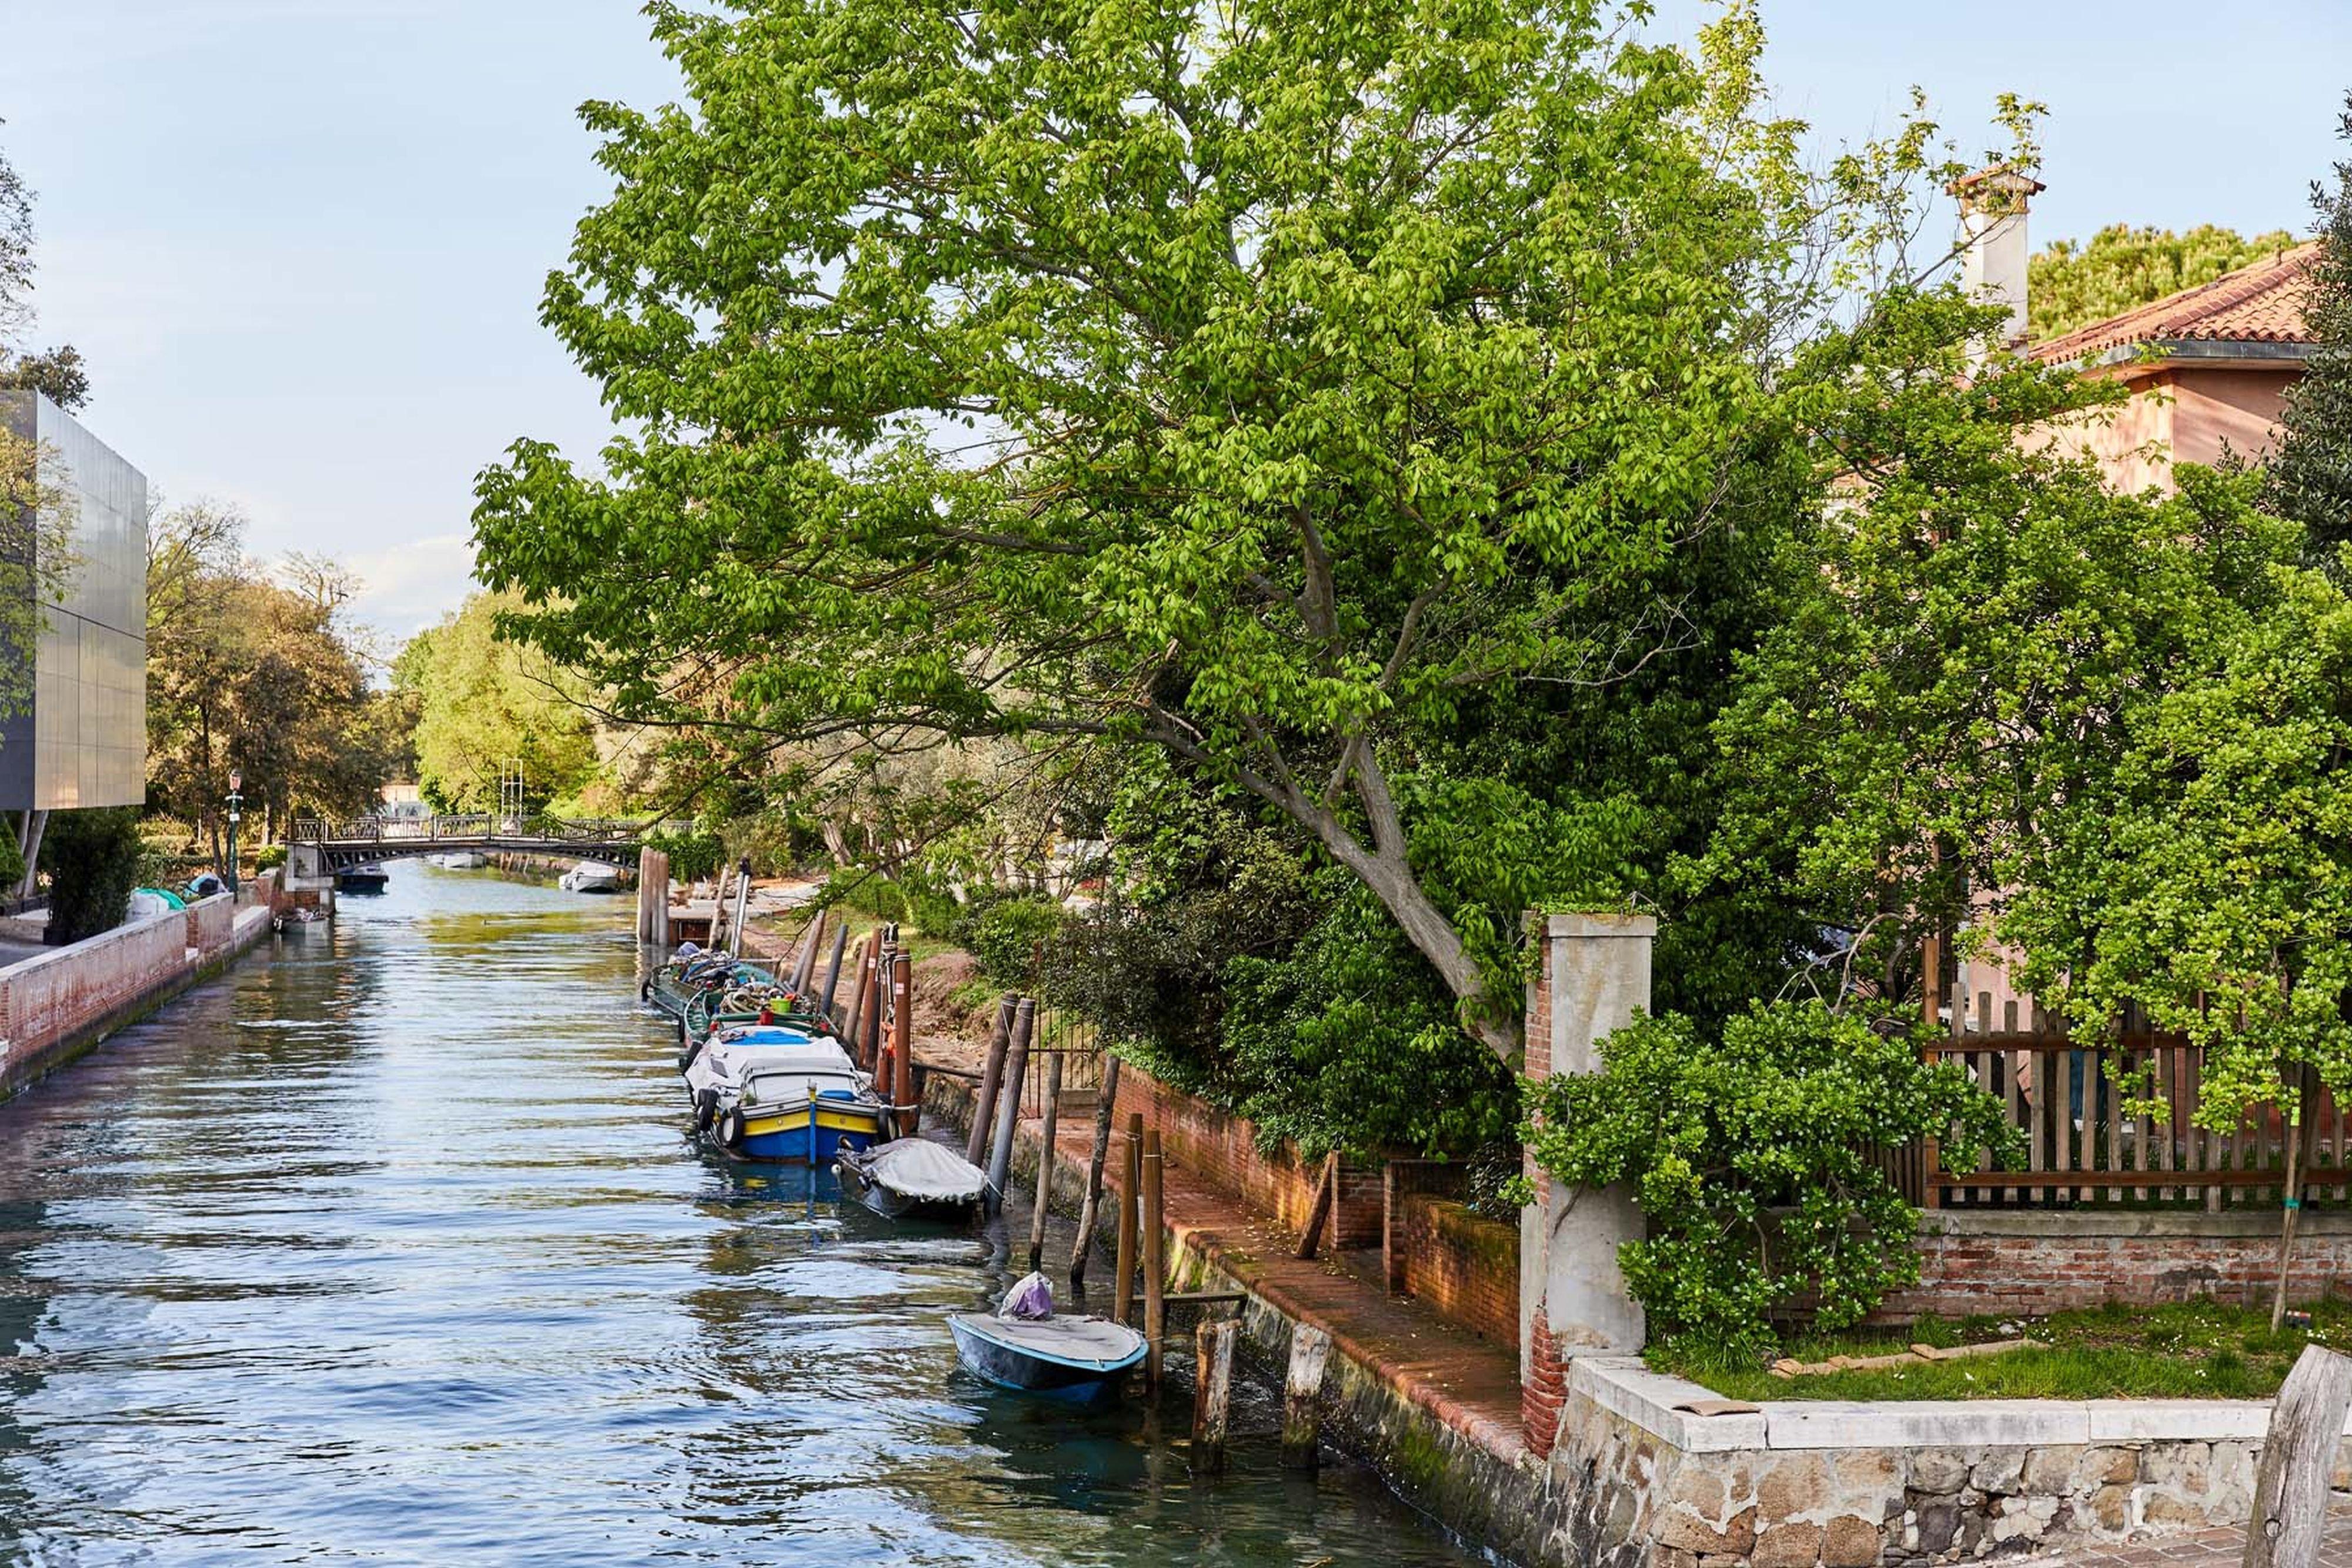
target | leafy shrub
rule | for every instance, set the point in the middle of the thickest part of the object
(12, 865)
(692, 855)
(272, 857)
(92, 858)
(1749, 1155)
(1006, 934)
(1351, 1042)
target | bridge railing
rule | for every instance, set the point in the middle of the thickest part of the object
(479, 825)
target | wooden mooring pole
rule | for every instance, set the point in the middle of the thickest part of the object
(1130, 1204)
(1212, 1391)
(1106, 1107)
(833, 971)
(869, 1049)
(861, 974)
(1045, 1162)
(909, 1117)
(1309, 1348)
(1008, 1102)
(984, 1110)
(1155, 1263)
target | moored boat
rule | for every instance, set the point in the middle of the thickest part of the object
(913, 1178)
(768, 1092)
(589, 876)
(1080, 1360)
(462, 860)
(368, 878)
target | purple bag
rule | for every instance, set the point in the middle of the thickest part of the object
(1031, 1298)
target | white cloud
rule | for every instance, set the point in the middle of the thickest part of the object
(413, 584)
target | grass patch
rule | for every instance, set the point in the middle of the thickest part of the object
(2193, 1350)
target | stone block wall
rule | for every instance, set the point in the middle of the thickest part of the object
(2031, 1263)
(1224, 1150)
(1463, 1267)
(1885, 1504)
(49, 997)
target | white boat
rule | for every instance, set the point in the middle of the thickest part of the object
(590, 877)
(462, 860)
(768, 1091)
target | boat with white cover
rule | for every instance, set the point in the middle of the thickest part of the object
(912, 1178)
(766, 1092)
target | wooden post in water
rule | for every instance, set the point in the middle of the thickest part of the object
(804, 965)
(1130, 1204)
(1008, 1102)
(1309, 1348)
(1106, 1104)
(910, 1118)
(833, 971)
(861, 976)
(719, 909)
(991, 1074)
(2291, 1480)
(1155, 1262)
(1212, 1391)
(869, 1049)
(658, 932)
(1045, 1162)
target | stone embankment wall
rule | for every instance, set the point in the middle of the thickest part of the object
(2030, 1262)
(58, 1004)
(1801, 1484)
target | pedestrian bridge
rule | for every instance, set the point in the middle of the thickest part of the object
(316, 847)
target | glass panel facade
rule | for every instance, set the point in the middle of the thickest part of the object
(85, 741)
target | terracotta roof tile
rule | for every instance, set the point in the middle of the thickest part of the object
(2262, 304)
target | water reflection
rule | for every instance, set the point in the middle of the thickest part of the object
(392, 1250)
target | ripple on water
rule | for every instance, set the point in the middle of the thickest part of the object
(391, 1251)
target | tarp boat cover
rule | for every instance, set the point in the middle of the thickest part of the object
(777, 1065)
(1096, 1344)
(924, 1171)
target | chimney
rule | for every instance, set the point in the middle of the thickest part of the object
(1993, 203)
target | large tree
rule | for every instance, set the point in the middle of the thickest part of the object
(2070, 284)
(1263, 383)
(2311, 474)
(486, 707)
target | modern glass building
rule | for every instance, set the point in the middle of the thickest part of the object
(84, 740)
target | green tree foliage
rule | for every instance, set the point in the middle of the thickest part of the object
(1349, 1042)
(92, 858)
(2070, 285)
(1284, 392)
(58, 371)
(1749, 1153)
(253, 670)
(2311, 473)
(485, 705)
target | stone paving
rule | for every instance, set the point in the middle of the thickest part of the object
(2208, 1549)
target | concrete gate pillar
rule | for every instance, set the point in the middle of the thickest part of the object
(1592, 976)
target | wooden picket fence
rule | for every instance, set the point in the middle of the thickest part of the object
(2082, 1149)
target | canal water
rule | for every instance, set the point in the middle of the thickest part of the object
(391, 1249)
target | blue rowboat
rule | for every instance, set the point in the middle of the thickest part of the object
(781, 1096)
(1077, 1360)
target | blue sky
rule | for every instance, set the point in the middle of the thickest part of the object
(301, 241)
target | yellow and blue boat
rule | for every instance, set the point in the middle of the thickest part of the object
(782, 1095)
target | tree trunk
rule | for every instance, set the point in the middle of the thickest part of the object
(2293, 1211)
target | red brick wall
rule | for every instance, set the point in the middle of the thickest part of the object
(1464, 1268)
(2035, 1263)
(1223, 1150)
(1543, 1390)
